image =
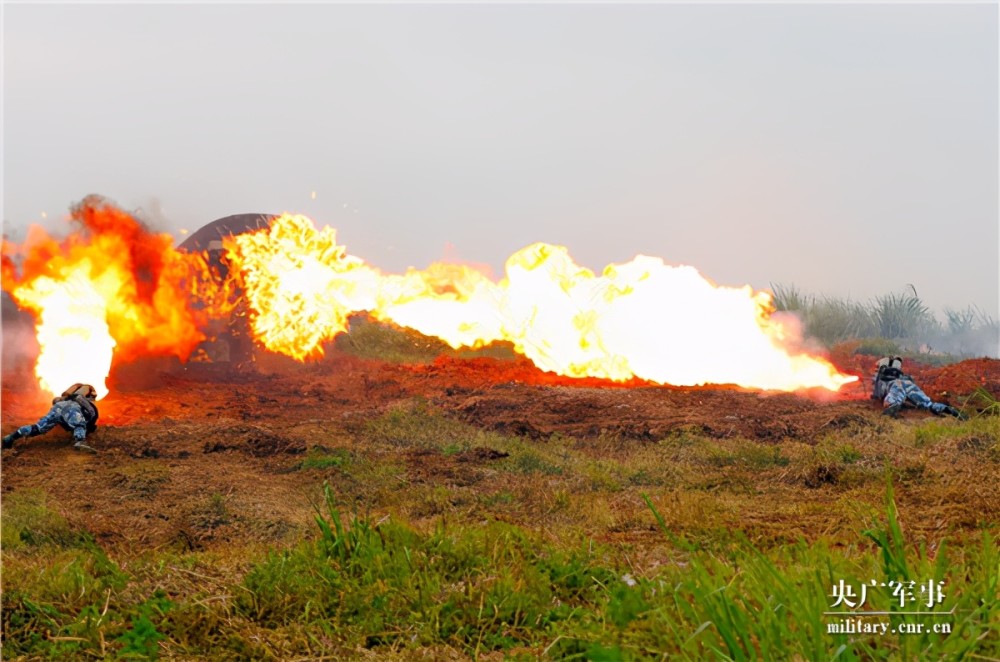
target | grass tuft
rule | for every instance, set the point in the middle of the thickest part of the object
(896, 323)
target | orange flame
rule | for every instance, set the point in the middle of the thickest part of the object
(299, 285)
(113, 291)
(110, 290)
(641, 319)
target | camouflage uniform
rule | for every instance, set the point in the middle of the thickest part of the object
(903, 389)
(66, 413)
(74, 410)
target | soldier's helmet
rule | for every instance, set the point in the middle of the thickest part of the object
(890, 362)
(86, 390)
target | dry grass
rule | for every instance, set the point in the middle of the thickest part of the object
(461, 516)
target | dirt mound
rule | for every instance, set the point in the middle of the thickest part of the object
(962, 378)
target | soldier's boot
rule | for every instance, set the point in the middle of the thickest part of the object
(892, 411)
(952, 411)
(8, 441)
(80, 442)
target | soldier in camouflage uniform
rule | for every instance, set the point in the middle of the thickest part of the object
(74, 410)
(895, 389)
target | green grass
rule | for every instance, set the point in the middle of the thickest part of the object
(29, 522)
(901, 315)
(418, 425)
(771, 605)
(322, 458)
(748, 454)
(565, 548)
(382, 585)
(985, 403)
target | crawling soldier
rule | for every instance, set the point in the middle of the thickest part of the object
(74, 410)
(894, 389)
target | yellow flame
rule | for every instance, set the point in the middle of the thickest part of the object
(300, 286)
(110, 290)
(455, 303)
(76, 344)
(641, 319)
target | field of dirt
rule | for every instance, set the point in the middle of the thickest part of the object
(176, 441)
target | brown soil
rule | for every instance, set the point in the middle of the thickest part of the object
(200, 455)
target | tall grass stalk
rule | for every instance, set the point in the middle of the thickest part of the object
(899, 317)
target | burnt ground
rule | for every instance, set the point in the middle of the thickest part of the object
(198, 455)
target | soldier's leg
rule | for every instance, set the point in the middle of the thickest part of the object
(8, 441)
(917, 396)
(894, 399)
(73, 417)
(46, 423)
(939, 408)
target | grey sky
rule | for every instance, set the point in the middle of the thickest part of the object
(759, 143)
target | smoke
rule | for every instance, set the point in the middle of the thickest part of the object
(151, 215)
(19, 345)
(795, 339)
(983, 341)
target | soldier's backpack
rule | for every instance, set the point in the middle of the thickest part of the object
(83, 395)
(86, 390)
(889, 369)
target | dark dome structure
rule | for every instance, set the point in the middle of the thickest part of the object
(209, 237)
(229, 340)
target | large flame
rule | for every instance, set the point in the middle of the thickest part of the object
(642, 319)
(113, 291)
(110, 290)
(299, 285)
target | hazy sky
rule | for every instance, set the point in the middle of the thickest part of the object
(846, 149)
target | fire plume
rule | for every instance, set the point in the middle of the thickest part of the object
(299, 285)
(642, 319)
(110, 290)
(113, 291)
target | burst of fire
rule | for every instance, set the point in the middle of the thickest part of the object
(110, 290)
(642, 319)
(113, 291)
(299, 285)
